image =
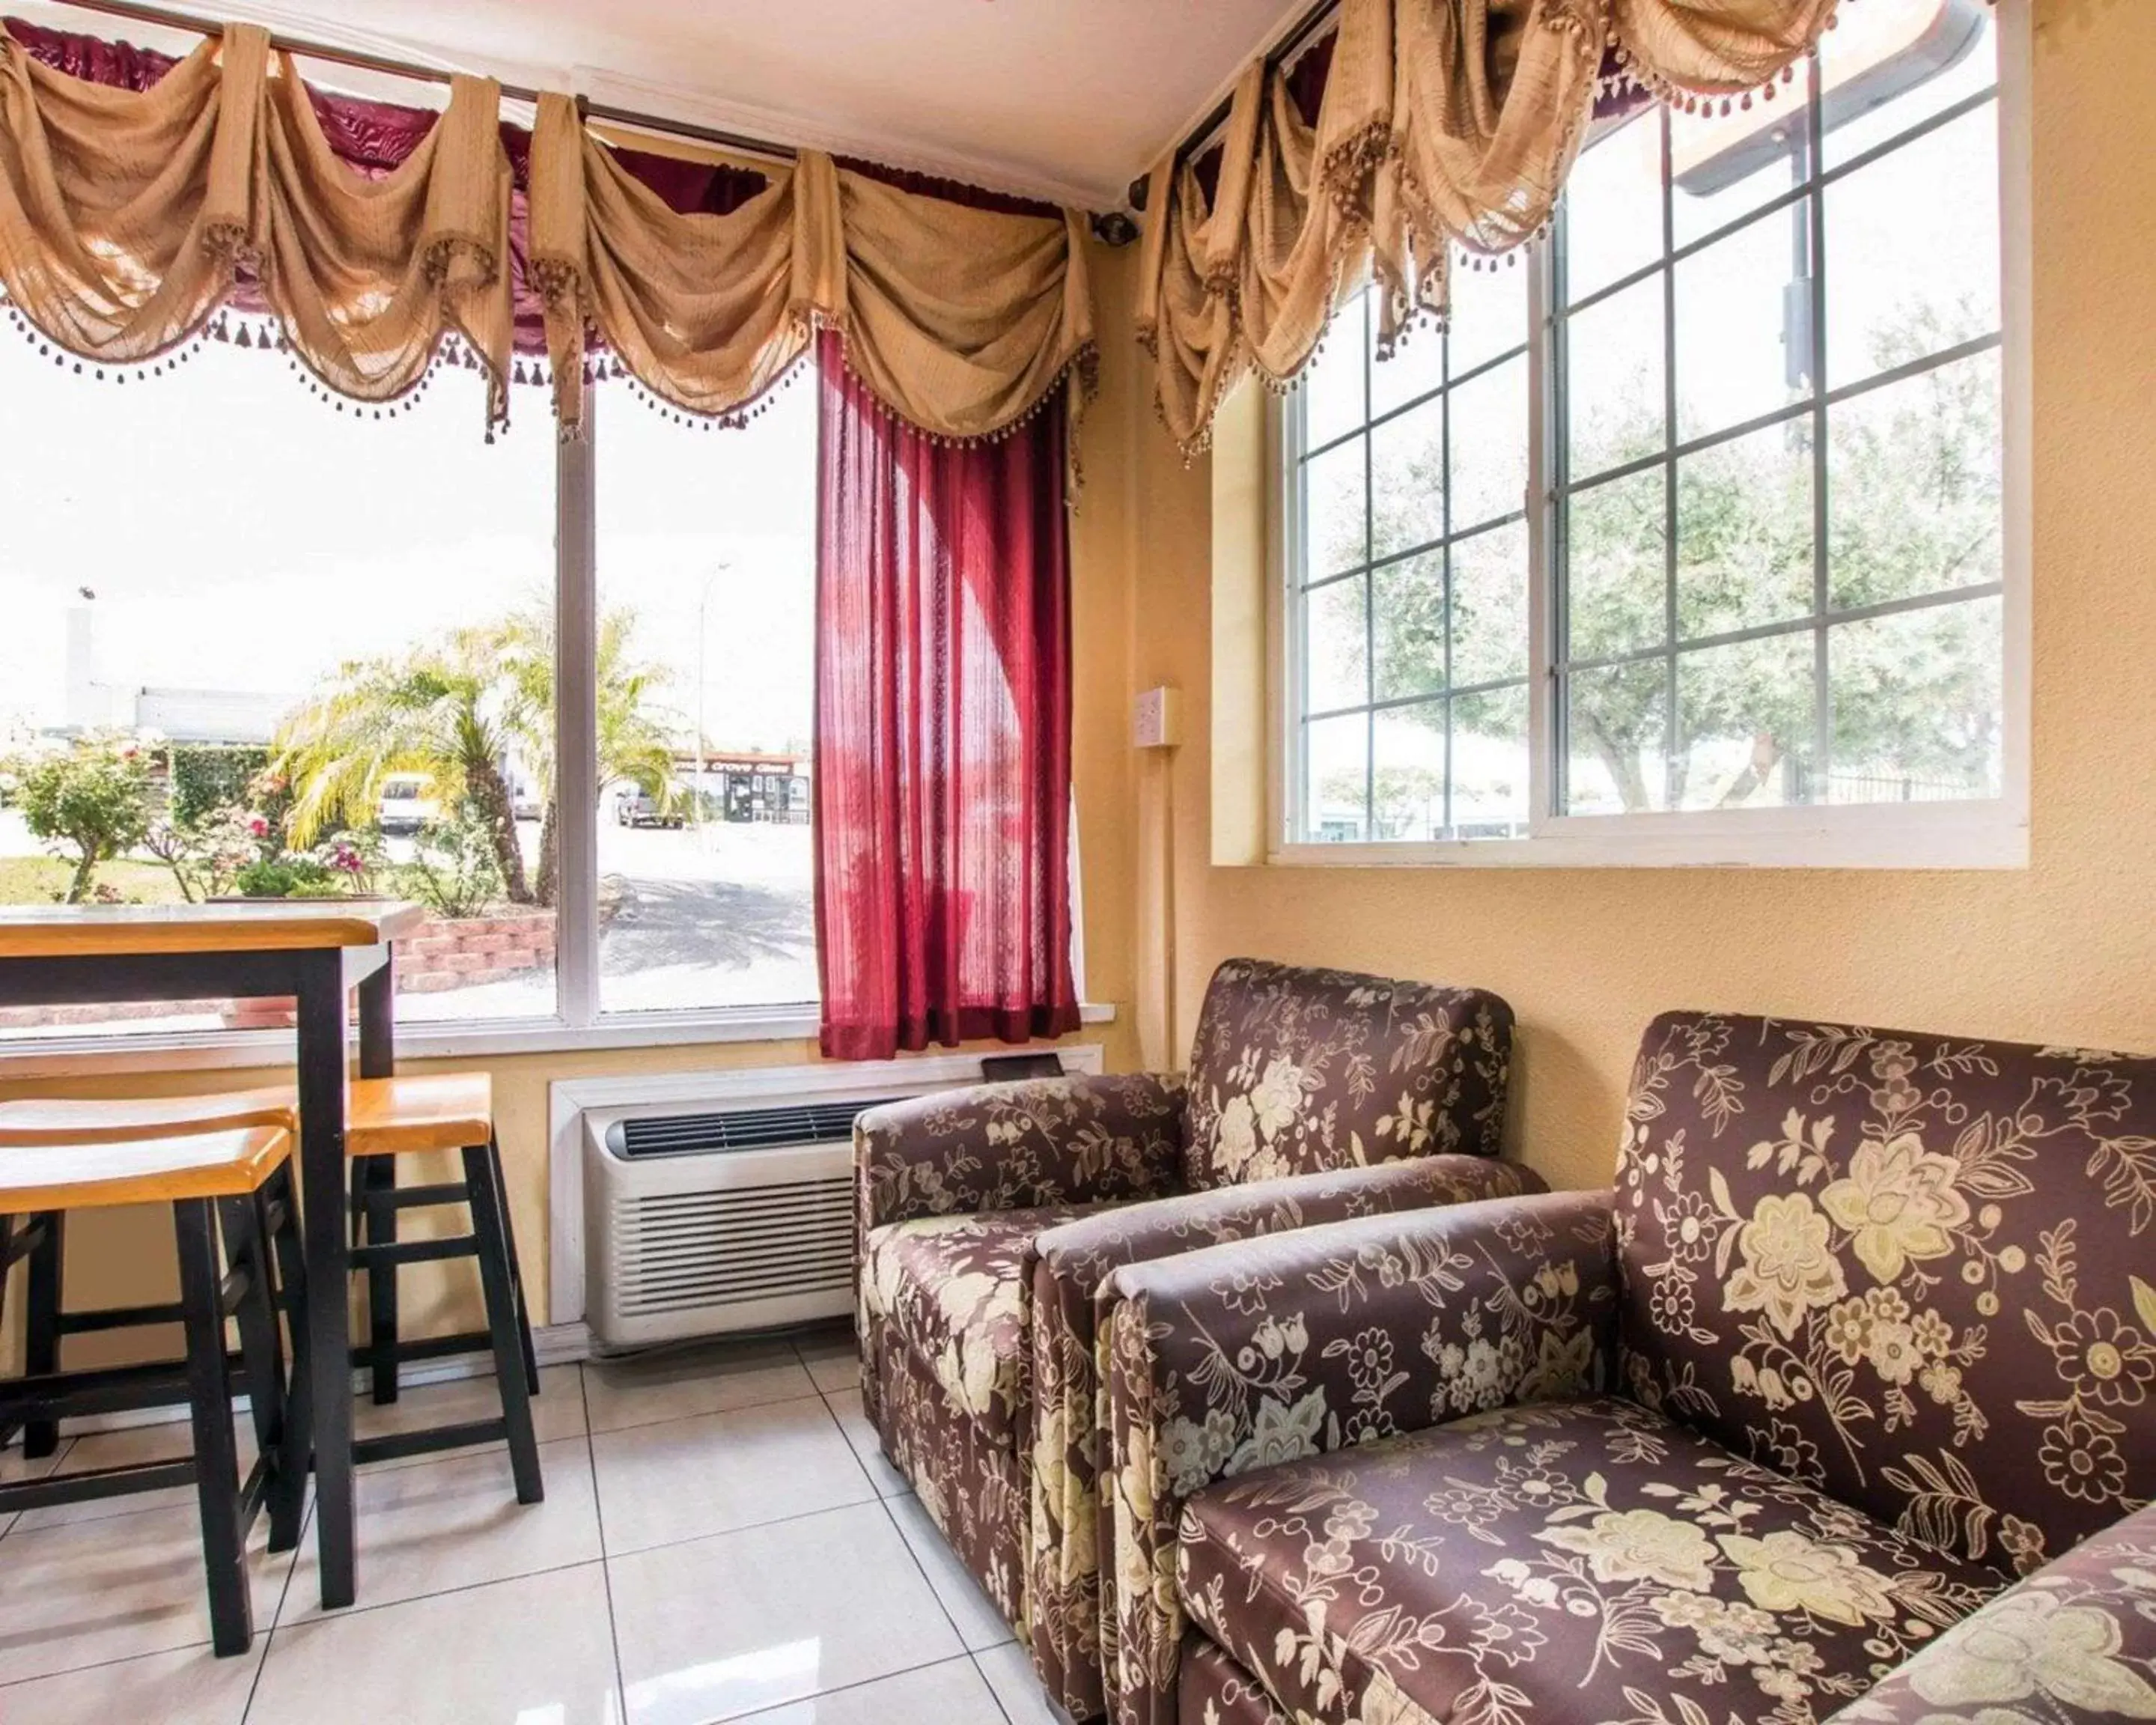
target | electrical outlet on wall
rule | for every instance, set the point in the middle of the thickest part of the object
(1156, 718)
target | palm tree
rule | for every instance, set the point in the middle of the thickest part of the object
(440, 712)
(633, 746)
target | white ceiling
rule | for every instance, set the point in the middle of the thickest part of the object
(1068, 99)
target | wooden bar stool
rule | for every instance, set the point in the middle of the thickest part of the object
(385, 1118)
(240, 1180)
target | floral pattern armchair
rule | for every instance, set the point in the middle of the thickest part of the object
(990, 1221)
(1864, 1330)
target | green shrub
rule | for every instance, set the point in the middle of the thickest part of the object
(207, 779)
(91, 804)
(453, 870)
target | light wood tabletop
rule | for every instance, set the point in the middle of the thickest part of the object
(257, 926)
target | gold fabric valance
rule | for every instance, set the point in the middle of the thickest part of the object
(126, 217)
(960, 321)
(129, 217)
(1444, 123)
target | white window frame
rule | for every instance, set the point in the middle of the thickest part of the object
(1978, 834)
(578, 1023)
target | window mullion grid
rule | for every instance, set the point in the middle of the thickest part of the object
(1822, 788)
(1670, 728)
(1548, 477)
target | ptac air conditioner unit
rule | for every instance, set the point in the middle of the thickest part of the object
(699, 1224)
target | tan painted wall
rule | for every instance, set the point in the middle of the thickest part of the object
(2064, 951)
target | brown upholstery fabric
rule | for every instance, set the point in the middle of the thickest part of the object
(966, 1478)
(1244, 1356)
(1216, 1691)
(953, 1289)
(1553, 1560)
(1298, 1069)
(1072, 1537)
(2073, 1644)
(1912, 1270)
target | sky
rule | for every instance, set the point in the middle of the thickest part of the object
(241, 534)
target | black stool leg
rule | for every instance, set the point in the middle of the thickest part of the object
(246, 1242)
(41, 1305)
(515, 1269)
(375, 1177)
(296, 1448)
(209, 1402)
(496, 1283)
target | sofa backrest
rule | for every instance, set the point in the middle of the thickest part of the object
(1918, 1272)
(1298, 1070)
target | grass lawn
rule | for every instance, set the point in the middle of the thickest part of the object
(44, 880)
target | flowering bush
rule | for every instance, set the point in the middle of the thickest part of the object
(90, 803)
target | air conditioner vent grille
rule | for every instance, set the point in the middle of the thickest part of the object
(737, 1129)
(699, 1250)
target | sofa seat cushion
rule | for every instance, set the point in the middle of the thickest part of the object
(1561, 1562)
(953, 1289)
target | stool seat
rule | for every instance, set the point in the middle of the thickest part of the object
(87, 1176)
(426, 1111)
(125, 1119)
(383, 1116)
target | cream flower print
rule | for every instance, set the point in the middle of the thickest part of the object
(1277, 1097)
(1898, 1202)
(1238, 1133)
(1787, 1571)
(2029, 1644)
(1280, 1433)
(1640, 1545)
(1789, 1266)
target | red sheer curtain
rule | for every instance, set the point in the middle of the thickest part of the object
(943, 731)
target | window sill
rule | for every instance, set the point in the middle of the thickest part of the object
(1932, 836)
(212, 1050)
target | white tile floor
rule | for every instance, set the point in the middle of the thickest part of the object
(721, 1540)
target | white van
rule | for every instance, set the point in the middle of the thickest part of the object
(406, 807)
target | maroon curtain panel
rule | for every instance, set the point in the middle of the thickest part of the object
(942, 730)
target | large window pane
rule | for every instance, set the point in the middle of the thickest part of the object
(1334, 524)
(1618, 735)
(1407, 480)
(1913, 486)
(1723, 167)
(1747, 716)
(1613, 380)
(1490, 446)
(1617, 563)
(1336, 647)
(1408, 779)
(1408, 597)
(1913, 250)
(1336, 761)
(1887, 68)
(1490, 606)
(1332, 389)
(1614, 205)
(1744, 532)
(1489, 315)
(1914, 704)
(1741, 312)
(312, 650)
(706, 598)
(1490, 764)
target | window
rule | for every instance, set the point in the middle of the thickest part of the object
(280, 678)
(706, 592)
(1768, 556)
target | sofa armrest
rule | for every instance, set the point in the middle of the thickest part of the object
(2076, 1639)
(1239, 1357)
(1000, 1147)
(1073, 1540)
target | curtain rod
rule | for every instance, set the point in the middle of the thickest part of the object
(435, 75)
(1278, 54)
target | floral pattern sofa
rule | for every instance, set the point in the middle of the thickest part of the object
(990, 1221)
(1866, 1331)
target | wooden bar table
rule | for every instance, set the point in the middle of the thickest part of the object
(318, 952)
